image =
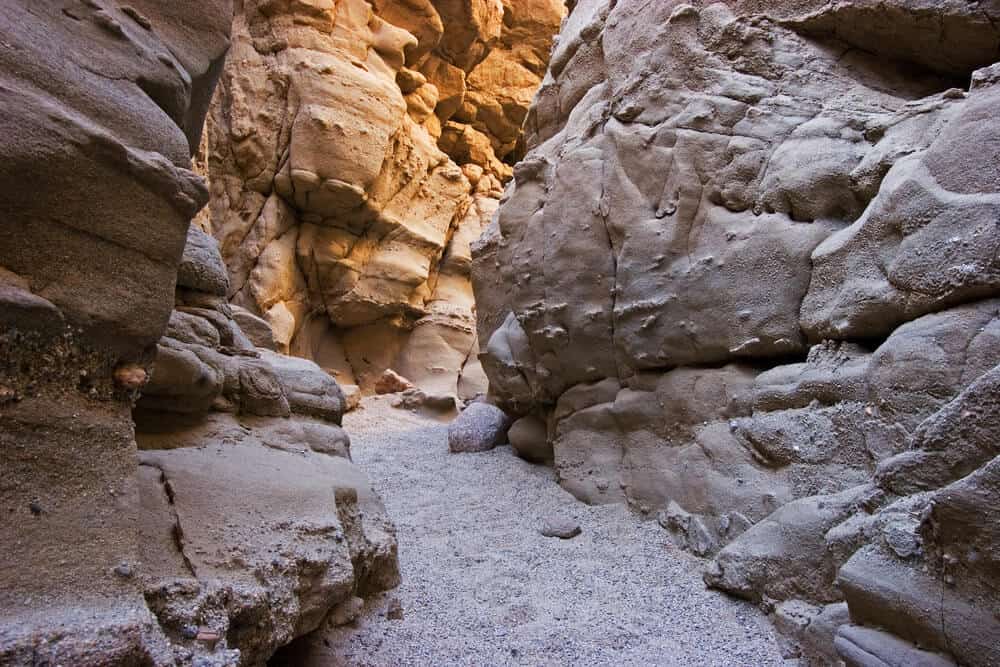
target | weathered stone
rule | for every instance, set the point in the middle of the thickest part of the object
(479, 428)
(342, 207)
(391, 382)
(529, 438)
(747, 269)
(100, 116)
(561, 527)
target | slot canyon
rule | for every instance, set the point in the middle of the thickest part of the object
(500, 332)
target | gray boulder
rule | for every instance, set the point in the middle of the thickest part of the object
(479, 428)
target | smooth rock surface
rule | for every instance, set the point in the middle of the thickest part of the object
(101, 107)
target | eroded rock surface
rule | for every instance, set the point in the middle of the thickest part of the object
(242, 522)
(354, 150)
(746, 277)
(254, 523)
(101, 108)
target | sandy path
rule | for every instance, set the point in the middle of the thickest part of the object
(481, 586)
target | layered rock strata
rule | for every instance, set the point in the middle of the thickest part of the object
(354, 150)
(254, 525)
(198, 549)
(745, 277)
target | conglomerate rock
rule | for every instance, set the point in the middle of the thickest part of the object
(354, 150)
(746, 275)
(241, 522)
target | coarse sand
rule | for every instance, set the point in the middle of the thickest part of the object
(482, 586)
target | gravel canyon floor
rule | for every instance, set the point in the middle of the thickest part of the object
(482, 586)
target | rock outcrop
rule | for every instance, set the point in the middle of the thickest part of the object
(241, 522)
(354, 150)
(746, 274)
(254, 524)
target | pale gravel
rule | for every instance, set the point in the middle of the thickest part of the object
(481, 586)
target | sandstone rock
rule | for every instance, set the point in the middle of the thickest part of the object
(479, 428)
(391, 382)
(100, 116)
(864, 647)
(225, 465)
(807, 631)
(201, 266)
(785, 555)
(352, 396)
(418, 400)
(333, 150)
(529, 438)
(257, 329)
(310, 390)
(213, 551)
(747, 269)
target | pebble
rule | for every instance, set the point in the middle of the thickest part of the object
(561, 527)
(395, 610)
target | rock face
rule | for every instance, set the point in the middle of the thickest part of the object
(101, 108)
(746, 276)
(254, 524)
(221, 539)
(354, 150)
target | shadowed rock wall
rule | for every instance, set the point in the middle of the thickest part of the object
(242, 522)
(744, 271)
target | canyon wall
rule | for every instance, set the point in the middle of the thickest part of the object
(238, 521)
(745, 280)
(354, 149)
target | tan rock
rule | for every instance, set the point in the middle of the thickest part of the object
(335, 191)
(391, 382)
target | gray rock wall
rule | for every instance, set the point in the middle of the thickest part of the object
(746, 269)
(242, 522)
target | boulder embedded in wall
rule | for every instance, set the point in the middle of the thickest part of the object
(256, 328)
(310, 390)
(201, 268)
(101, 107)
(529, 438)
(333, 152)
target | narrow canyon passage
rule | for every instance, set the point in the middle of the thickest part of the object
(709, 289)
(481, 585)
